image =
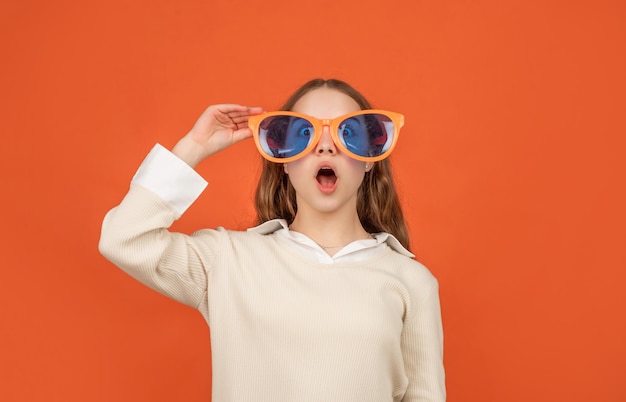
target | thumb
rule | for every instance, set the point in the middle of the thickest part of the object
(241, 134)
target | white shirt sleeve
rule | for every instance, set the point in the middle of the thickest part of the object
(170, 178)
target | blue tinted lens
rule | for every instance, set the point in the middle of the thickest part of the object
(367, 135)
(285, 136)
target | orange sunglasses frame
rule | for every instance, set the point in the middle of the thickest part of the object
(318, 126)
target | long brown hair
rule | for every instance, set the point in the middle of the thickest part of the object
(378, 205)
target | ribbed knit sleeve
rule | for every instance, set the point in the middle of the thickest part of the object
(422, 348)
(134, 237)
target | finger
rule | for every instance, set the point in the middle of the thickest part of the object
(225, 119)
(233, 119)
(240, 119)
(229, 108)
(250, 111)
(241, 134)
(233, 109)
(255, 110)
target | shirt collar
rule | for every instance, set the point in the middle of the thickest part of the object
(273, 225)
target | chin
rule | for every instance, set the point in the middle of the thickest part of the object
(330, 206)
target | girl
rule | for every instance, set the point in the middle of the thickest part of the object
(320, 302)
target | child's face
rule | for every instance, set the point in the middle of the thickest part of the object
(326, 180)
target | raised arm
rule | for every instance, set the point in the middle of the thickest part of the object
(135, 234)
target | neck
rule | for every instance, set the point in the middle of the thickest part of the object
(329, 231)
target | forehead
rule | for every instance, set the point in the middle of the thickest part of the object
(325, 103)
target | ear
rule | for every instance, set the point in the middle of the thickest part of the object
(285, 168)
(369, 166)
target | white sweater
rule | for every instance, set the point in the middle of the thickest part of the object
(285, 327)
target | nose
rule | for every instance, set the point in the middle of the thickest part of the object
(326, 144)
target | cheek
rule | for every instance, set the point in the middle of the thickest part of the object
(295, 171)
(292, 167)
(356, 166)
(356, 171)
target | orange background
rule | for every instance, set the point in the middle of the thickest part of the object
(510, 167)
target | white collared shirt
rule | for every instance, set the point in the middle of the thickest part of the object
(178, 184)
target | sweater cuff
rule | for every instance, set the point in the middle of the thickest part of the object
(170, 178)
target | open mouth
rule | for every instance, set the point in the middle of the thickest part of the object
(326, 176)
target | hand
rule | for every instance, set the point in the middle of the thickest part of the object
(219, 127)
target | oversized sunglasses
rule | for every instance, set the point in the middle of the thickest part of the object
(366, 135)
